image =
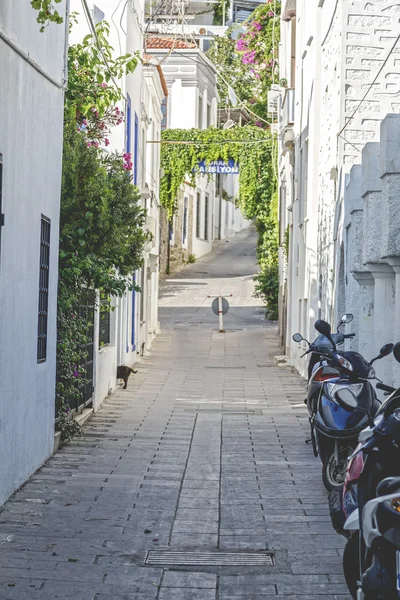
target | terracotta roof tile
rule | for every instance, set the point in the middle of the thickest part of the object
(168, 43)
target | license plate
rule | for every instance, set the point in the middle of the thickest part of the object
(398, 571)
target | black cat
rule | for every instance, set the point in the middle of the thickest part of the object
(123, 373)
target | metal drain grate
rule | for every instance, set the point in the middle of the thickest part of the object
(221, 367)
(209, 559)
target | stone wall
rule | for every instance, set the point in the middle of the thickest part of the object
(372, 226)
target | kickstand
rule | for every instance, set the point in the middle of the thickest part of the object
(308, 441)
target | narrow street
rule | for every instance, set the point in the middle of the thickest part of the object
(204, 453)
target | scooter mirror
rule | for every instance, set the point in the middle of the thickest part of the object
(396, 351)
(346, 398)
(347, 318)
(297, 337)
(386, 350)
(323, 327)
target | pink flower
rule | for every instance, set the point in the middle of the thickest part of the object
(252, 101)
(107, 142)
(126, 156)
(96, 144)
(257, 25)
(270, 14)
(258, 124)
(117, 110)
(241, 45)
(248, 58)
(104, 85)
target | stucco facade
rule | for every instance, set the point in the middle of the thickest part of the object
(331, 106)
(32, 79)
(134, 319)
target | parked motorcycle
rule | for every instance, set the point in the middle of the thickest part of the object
(371, 501)
(340, 396)
(317, 349)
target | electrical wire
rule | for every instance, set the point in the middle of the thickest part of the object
(94, 32)
(116, 27)
(202, 54)
(370, 87)
(213, 143)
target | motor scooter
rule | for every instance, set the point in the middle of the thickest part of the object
(371, 559)
(340, 395)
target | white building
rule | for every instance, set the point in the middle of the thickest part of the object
(33, 77)
(192, 103)
(340, 77)
(121, 337)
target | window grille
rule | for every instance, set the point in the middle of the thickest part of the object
(206, 217)
(105, 320)
(43, 308)
(198, 207)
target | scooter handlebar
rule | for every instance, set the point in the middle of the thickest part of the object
(385, 388)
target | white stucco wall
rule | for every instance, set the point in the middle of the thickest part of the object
(339, 49)
(31, 117)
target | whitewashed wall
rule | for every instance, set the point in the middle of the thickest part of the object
(31, 118)
(339, 48)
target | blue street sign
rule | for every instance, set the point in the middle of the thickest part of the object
(218, 166)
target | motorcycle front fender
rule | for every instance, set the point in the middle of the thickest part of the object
(353, 521)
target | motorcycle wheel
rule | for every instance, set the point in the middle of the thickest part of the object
(334, 475)
(351, 563)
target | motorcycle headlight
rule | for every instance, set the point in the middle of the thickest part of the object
(371, 373)
(345, 363)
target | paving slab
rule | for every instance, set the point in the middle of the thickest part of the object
(204, 451)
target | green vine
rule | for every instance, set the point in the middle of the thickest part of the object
(101, 222)
(47, 13)
(249, 63)
(257, 185)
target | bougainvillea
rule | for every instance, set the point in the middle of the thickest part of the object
(250, 64)
(101, 222)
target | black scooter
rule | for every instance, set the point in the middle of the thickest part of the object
(371, 560)
(340, 410)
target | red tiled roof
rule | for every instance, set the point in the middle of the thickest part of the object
(168, 43)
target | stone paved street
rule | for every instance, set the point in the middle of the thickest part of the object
(203, 452)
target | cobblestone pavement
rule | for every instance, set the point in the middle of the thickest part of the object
(203, 452)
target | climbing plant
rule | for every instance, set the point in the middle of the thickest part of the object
(250, 62)
(253, 148)
(47, 12)
(101, 222)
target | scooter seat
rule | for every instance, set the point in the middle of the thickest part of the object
(390, 485)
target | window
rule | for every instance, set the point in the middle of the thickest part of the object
(44, 265)
(105, 320)
(164, 110)
(185, 218)
(200, 115)
(206, 203)
(198, 207)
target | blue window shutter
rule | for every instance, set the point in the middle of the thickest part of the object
(133, 313)
(136, 151)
